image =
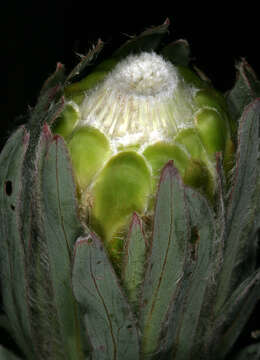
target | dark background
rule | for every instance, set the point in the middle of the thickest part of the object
(34, 36)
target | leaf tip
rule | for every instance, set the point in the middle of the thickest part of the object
(59, 66)
(135, 220)
(167, 22)
(168, 170)
(46, 131)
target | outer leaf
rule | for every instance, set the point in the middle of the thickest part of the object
(6, 354)
(55, 79)
(242, 207)
(109, 321)
(166, 261)
(12, 256)
(38, 227)
(60, 227)
(85, 60)
(134, 261)
(234, 315)
(185, 321)
(246, 89)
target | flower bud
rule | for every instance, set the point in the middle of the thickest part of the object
(135, 115)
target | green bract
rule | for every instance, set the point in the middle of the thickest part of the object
(142, 162)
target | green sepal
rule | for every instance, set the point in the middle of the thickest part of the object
(121, 188)
(109, 321)
(178, 52)
(75, 86)
(166, 260)
(198, 176)
(229, 157)
(190, 140)
(67, 120)
(212, 130)
(210, 98)
(133, 263)
(160, 153)
(89, 149)
(191, 78)
(107, 65)
(200, 171)
(78, 89)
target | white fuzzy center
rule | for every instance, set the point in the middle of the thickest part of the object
(140, 102)
(147, 74)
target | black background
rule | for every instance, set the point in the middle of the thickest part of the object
(34, 36)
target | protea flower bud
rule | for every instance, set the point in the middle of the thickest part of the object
(149, 144)
(134, 117)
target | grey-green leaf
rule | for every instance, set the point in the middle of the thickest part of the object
(167, 258)
(38, 227)
(60, 227)
(12, 257)
(109, 321)
(242, 207)
(184, 333)
(134, 262)
(85, 61)
(234, 315)
(245, 90)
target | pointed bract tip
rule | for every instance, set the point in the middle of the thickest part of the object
(167, 22)
(168, 170)
(135, 220)
(57, 137)
(59, 66)
(99, 42)
(46, 132)
(26, 136)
